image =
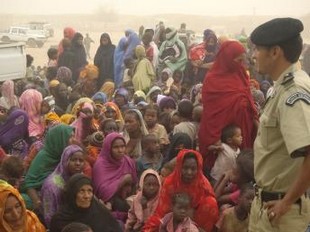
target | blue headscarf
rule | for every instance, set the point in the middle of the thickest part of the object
(133, 41)
(119, 60)
(100, 96)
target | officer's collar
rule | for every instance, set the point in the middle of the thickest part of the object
(291, 69)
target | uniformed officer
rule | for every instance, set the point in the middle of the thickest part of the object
(282, 146)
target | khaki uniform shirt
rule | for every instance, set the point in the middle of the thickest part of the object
(284, 132)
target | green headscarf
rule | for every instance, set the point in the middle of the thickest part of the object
(46, 160)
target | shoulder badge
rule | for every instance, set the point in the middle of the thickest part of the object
(305, 97)
(287, 78)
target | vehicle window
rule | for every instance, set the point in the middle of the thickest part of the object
(22, 31)
(14, 30)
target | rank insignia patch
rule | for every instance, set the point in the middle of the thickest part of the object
(298, 96)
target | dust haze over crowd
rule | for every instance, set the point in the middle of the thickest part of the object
(98, 16)
(195, 7)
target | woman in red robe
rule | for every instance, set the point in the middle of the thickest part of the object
(226, 99)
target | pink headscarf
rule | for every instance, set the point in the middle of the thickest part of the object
(69, 32)
(8, 98)
(108, 172)
(30, 101)
(78, 123)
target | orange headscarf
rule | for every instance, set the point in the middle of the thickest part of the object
(31, 221)
(119, 117)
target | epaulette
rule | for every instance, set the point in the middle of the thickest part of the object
(287, 78)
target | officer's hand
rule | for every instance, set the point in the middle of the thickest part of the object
(276, 209)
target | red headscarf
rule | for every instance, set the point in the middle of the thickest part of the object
(226, 99)
(202, 195)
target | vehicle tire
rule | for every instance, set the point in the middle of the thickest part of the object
(39, 44)
(5, 39)
(31, 43)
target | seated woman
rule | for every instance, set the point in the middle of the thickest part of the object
(187, 177)
(14, 215)
(14, 131)
(80, 205)
(84, 124)
(72, 162)
(45, 162)
(114, 175)
(135, 129)
(30, 101)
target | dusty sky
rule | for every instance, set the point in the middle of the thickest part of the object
(291, 8)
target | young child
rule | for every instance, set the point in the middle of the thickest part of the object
(145, 202)
(94, 146)
(187, 126)
(177, 81)
(231, 140)
(52, 54)
(127, 78)
(165, 80)
(151, 156)
(150, 115)
(227, 189)
(179, 219)
(236, 219)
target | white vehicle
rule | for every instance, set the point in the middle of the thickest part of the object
(12, 61)
(41, 27)
(23, 34)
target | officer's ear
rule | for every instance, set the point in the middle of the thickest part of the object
(275, 52)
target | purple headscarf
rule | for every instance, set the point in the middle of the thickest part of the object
(64, 75)
(108, 172)
(62, 169)
(15, 128)
(55, 182)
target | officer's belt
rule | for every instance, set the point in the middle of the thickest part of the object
(272, 196)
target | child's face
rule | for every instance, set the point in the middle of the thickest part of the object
(154, 146)
(164, 76)
(63, 91)
(150, 118)
(237, 138)
(109, 127)
(154, 95)
(177, 77)
(45, 107)
(150, 186)
(245, 200)
(197, 112)
(119, 100)
(181, 210)
(110, 113)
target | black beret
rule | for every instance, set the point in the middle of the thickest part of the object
(276, 31)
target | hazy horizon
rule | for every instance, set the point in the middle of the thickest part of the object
(289, 8)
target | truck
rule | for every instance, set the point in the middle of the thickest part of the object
(42, 26)
(23, 34)
(12, 61)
